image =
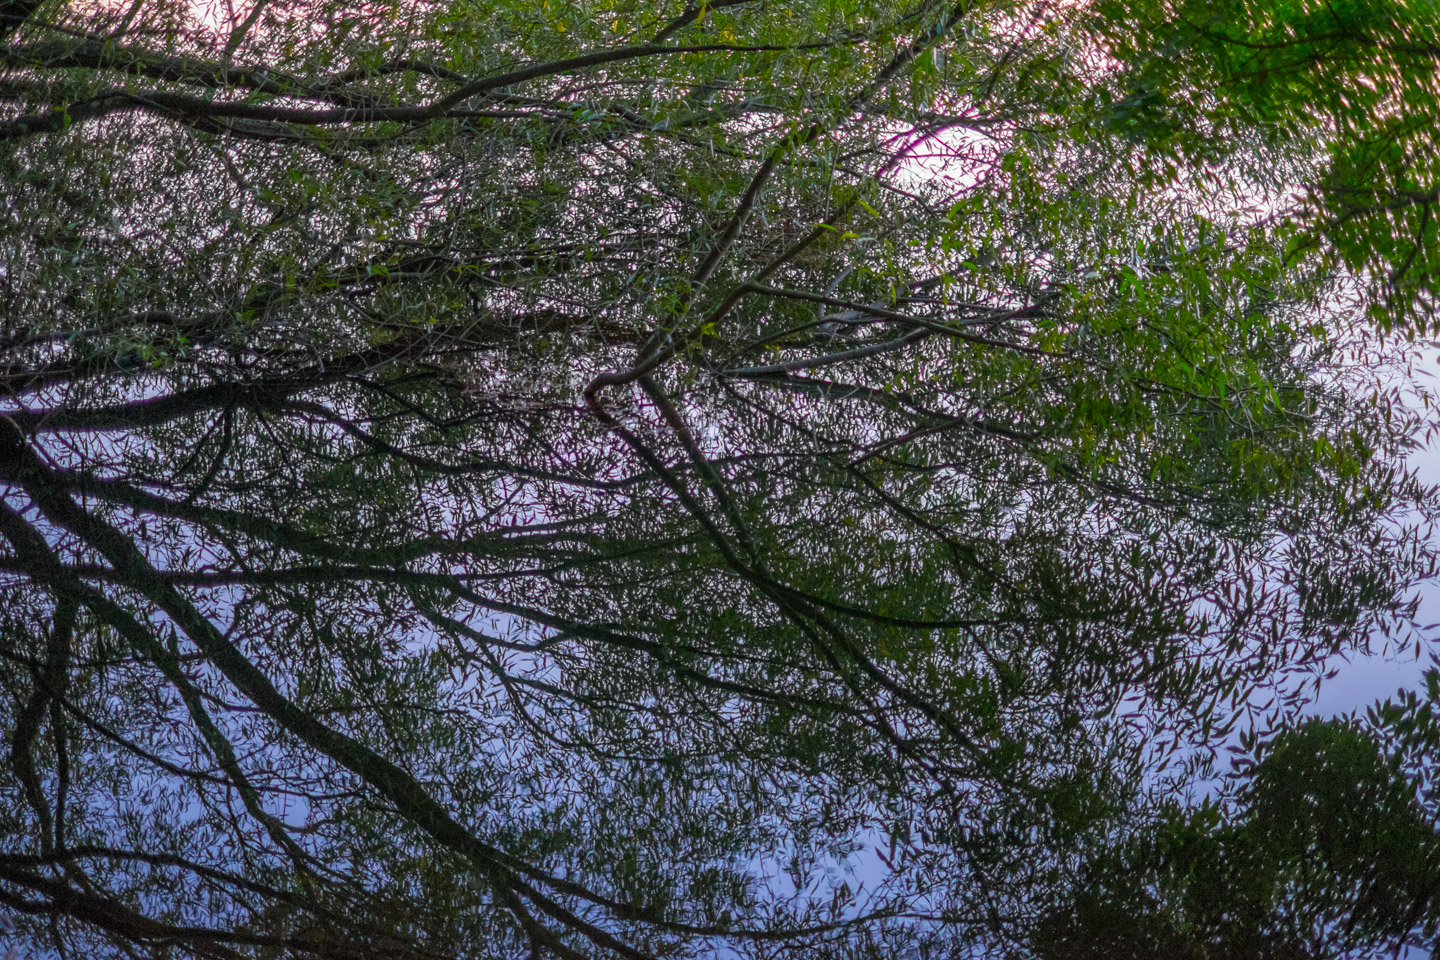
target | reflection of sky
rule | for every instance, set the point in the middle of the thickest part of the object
(1362, 680)
(1365, 679)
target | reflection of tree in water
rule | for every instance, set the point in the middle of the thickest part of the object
(1329, 853)
(483, 498)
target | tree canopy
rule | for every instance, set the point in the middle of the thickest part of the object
(617, 479)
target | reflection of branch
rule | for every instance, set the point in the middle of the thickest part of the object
(250, 885)
(268, 393)
(33, 551)
(410, 797)
(117, 918)
(691, 14)
(237, 36)
(849, 662)
(102, 55)
(187, 107)
(877, 310)
(48, 685)
(14, 14)
(855, 353)
(1399, 272)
